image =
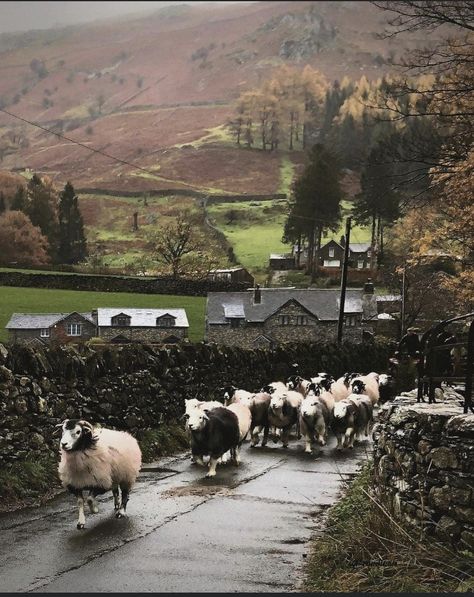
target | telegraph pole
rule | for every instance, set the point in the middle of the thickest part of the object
(344, 281)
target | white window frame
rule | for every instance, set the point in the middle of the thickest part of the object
(165, 322)
(284, 320)
(360, 264)
(74, 329)
(332, 263)
(301, 320)
(331, 252)
(45, 333)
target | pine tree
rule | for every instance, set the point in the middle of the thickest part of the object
(316, 205)
(41, 208)
(72, 246)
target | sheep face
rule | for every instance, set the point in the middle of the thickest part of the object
(228, 392)
(293, 381)
(326, 383)
(196, 420)
(313, 389)
(384, 379)
(309, 406)
(358, 386)
(277, 402)
(340, 409)
(76, 435)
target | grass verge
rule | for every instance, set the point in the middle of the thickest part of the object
(364, 549)
(32, 482)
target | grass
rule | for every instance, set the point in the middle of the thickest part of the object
(286, 175)
(365, 549)
(43, 300)
(33, 481)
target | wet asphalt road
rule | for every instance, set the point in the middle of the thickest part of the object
(246, 530)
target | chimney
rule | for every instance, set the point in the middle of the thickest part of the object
(369, 287)
(257, 295)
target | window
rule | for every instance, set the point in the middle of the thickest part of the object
(332, 263)
(301, 320)
(350, 321)
(165, 322)
(44, 333)
(121, 320)
(235, 323)
(331, 252)
(360, 264)
(74, 329)
(284, 320)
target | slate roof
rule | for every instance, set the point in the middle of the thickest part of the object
(323, 303)
(359, 247)
(34, 321)
(142, 317)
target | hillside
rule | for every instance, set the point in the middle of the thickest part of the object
(155, 91)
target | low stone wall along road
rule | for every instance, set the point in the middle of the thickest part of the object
(246, 530)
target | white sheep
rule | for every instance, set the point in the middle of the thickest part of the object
(341, 388)
(283, 409)
(244, 417)
(97, 460)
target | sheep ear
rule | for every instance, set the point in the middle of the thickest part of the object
(205, 415)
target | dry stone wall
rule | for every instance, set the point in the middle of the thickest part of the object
(137, 387)
(424, 457)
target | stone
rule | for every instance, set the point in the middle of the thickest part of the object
(443, 457)
(6, 376)
(424, 447)
(448, 529)
(21, 406)
(24, 381)
(463, 514)
(467, 542)
(37, 391)
(440, 498)
(36, 440)
(462, 425)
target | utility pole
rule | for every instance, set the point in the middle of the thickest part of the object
(402, 323)
(344, 280)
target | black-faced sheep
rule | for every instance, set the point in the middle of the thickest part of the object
(97, 460)
(315, 415)
(232, 394)
(213, 433)
(371, 386)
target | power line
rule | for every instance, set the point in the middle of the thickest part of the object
(99, 151)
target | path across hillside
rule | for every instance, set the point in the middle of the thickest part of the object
(244, 531)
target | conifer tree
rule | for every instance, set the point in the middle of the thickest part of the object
(19, 199)
(72, 246)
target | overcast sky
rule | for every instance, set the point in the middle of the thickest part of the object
(21, 16)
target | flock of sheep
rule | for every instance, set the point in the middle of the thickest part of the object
(98, 460)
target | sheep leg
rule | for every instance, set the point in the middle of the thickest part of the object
(285, 436)
(212, 467)
(92, 503)
(307, 436)
(255, 439)
(349, 437)
(321, 431)
(236, 455)
(339, 441)
(81, 520)
(115, 491)
(125, 493)
(265, 435)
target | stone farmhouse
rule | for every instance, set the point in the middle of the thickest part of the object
(117, 326)
(266, 317)
(331, 254)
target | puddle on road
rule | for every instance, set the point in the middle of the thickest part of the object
(199, 490)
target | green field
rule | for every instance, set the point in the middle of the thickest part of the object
(255, 228)
(42, 300)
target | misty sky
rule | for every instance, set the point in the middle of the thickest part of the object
(21, 16)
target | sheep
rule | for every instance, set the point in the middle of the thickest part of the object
(371, 383)
(258, 404)
(233, 394)
(341, 388)
(315, 415)
(352, 416)
(97, 460)
(213, 433)
(386, 387)
(244, 417)
(298, 384)
(283, 409)
(204, 405)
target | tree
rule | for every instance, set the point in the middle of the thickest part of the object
(19, 199)
(377, 204)
(21, 242)
(72, 247)
(316, 204)
(437, 81)
(3, 207)
(41, 208)
(181, 248)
